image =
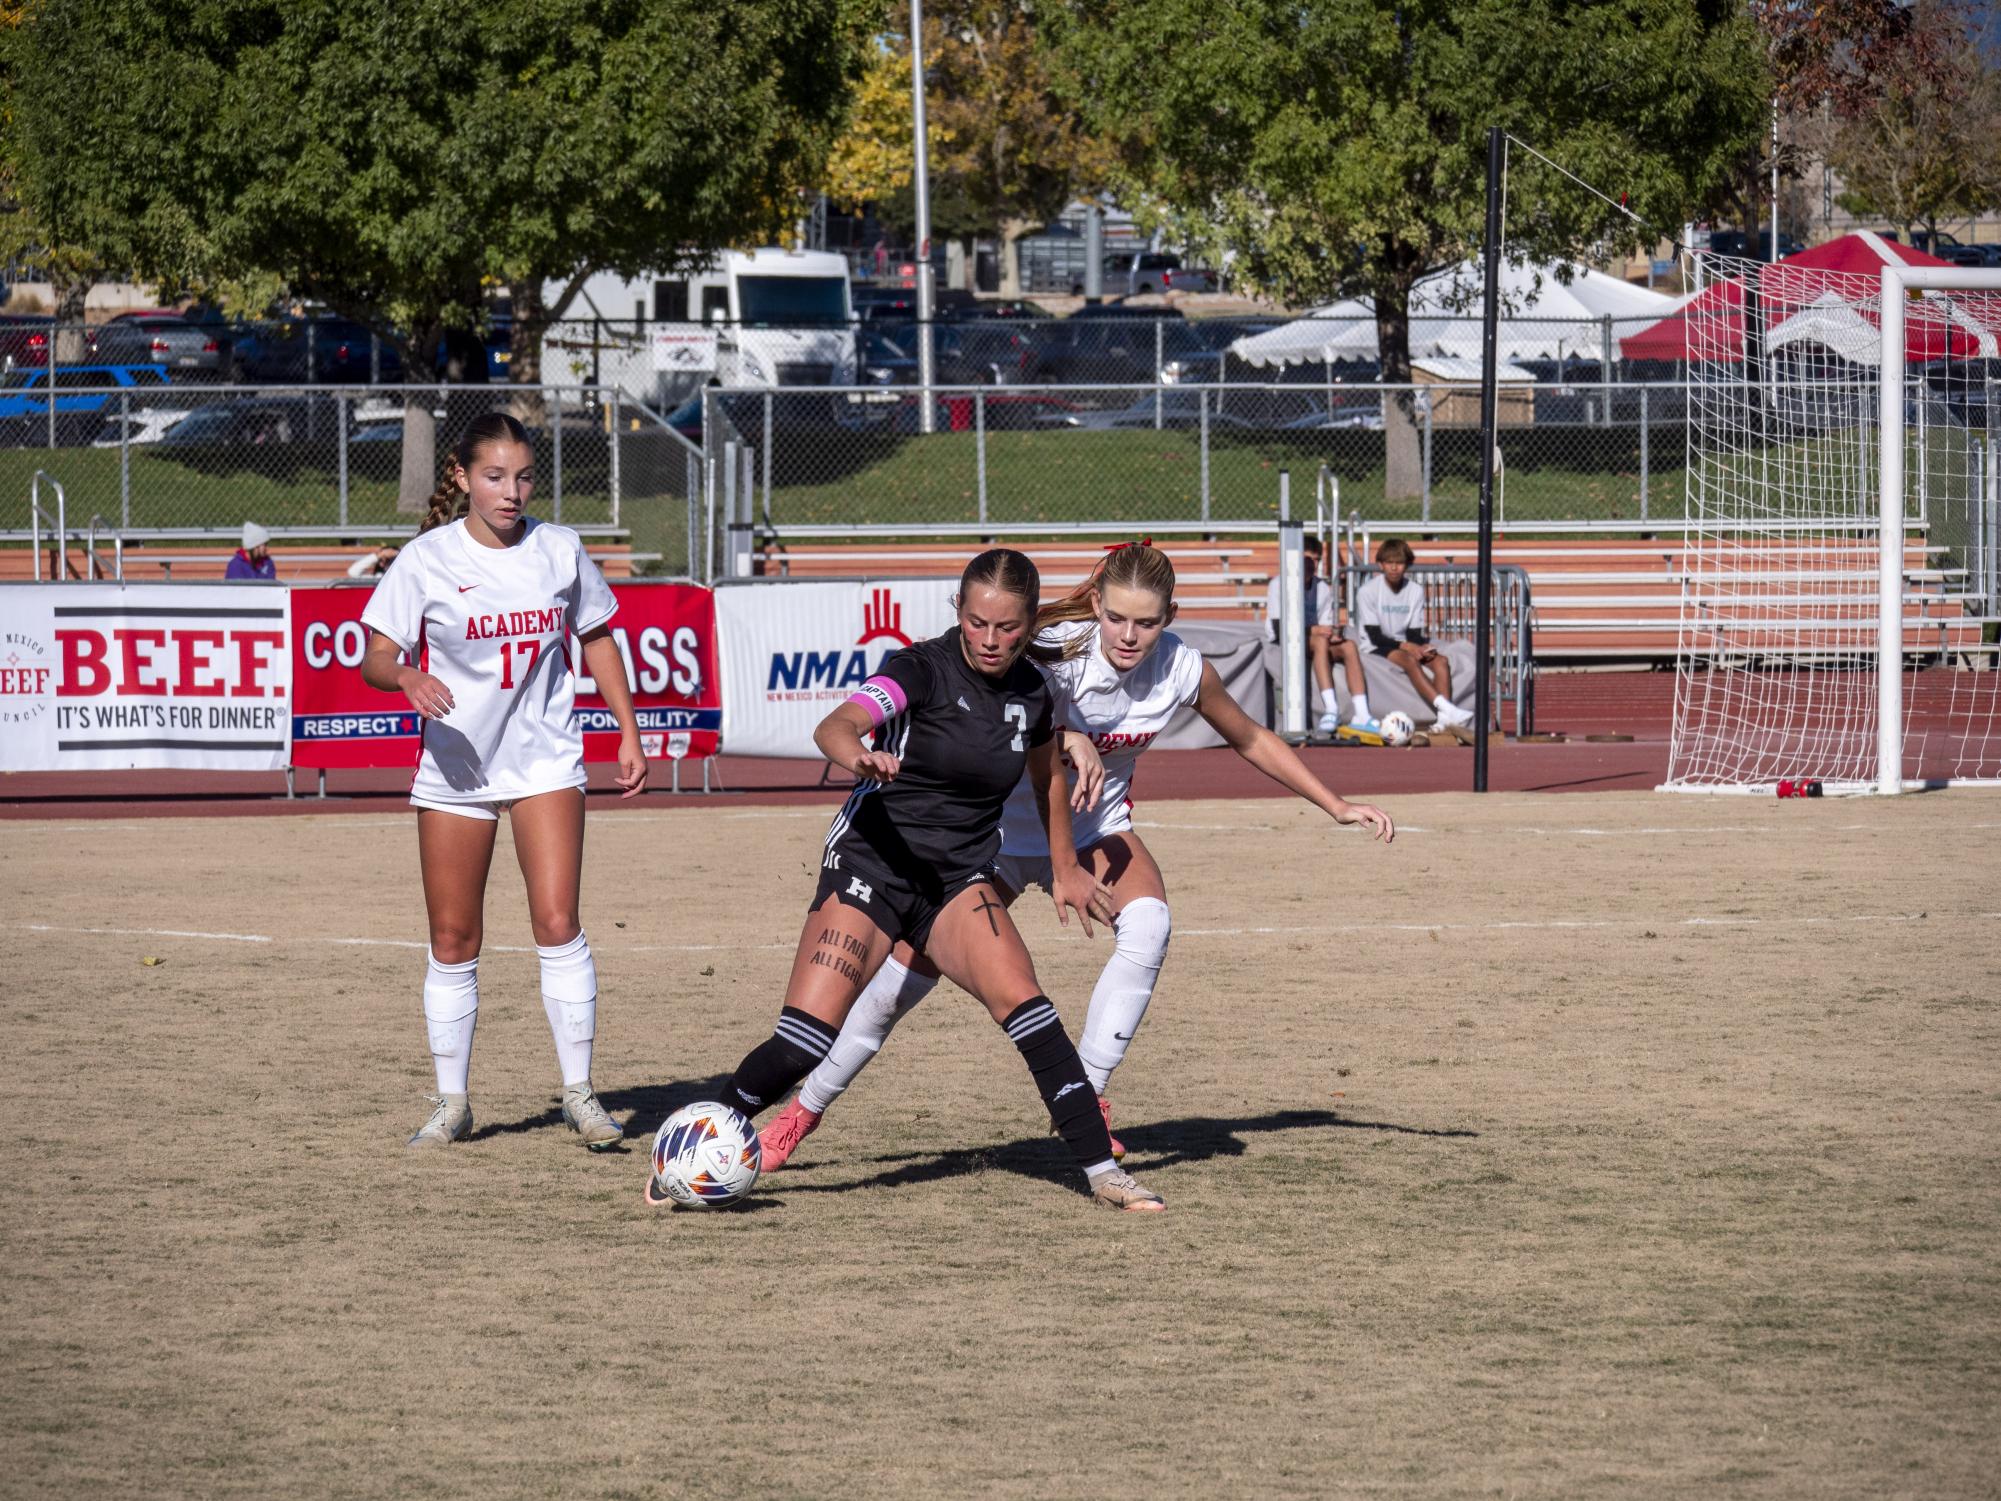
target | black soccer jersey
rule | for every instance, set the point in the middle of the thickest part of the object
(963, 740)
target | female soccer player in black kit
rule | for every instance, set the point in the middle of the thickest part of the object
(911, 854)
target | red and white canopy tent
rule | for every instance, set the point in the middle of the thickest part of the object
(1826, 295)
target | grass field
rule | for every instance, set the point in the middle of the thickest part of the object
(1621, 1146)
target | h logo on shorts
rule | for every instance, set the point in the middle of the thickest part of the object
(858, 887)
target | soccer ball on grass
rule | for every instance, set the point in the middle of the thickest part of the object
(705, 1155)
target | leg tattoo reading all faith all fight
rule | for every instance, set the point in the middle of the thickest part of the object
(843, 953)
(989, 906)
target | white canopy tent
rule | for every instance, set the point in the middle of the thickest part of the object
(1541, 318)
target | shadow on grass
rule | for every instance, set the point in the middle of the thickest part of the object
(1159, 1144)
(640, 1110)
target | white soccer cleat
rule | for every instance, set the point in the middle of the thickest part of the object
(1122, 1191)
(590, 1120)
(450, 1122)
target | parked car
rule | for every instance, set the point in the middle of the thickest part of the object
(1950, 248)
(1736, 242)
(1111, 344)
(1248, 410)
(141, 425)
(956, 412)
(24, 341)
(83, 396)
(321, 349)
(199, 350)
(237, 424)
(962, 355)
(1137, 272)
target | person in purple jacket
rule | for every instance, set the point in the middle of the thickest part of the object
(253, 559)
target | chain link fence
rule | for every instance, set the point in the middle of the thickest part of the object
(1066, 455)
(155, 456)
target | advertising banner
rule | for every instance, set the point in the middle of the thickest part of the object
(791, 651)
(97, 677)
(337, 719)
(665, 633)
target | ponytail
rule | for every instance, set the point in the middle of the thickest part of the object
(1131, 565)
(448, 501)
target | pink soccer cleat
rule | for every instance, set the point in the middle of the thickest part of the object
(781, 1138)
(1118, 1147)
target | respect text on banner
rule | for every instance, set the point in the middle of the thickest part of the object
(97, 677)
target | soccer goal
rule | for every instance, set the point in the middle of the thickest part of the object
(1841, 567)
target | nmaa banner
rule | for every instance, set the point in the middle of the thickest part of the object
(97, 677)
(791, 651)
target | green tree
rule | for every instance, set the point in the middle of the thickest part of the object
(395, 160)
(1007, 152)
(1924, 143)
(1338, 147)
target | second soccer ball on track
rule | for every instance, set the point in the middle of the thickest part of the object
(1397, 728)
(706, 1156)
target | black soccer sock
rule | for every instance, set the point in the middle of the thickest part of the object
(770, 1069)
(1059, 1074)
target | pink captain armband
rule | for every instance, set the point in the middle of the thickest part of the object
(882, 698)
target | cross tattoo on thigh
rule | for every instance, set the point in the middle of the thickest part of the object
(989, 906)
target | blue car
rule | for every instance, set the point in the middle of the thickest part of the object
(85, 395)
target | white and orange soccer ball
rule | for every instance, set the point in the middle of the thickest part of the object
(1397, 728)
(705, 1155)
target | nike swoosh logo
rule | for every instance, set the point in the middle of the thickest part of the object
(466, 588)
(1123, 1036)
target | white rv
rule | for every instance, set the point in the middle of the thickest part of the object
(755, 318)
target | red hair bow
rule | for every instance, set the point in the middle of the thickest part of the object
(1120, 546)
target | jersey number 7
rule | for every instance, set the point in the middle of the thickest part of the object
(508, 650)
(1016, 715)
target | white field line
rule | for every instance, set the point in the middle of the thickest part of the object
(1502, 926)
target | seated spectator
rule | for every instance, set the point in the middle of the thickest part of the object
(1323, 645)
(372, 564)
(1389, 607)
(253, 559)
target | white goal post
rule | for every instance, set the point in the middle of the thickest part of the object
(1841, 563)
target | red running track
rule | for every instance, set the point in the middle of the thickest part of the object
(1638, 704)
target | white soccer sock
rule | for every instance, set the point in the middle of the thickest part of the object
(1328, 702)
(1119, 999)
(881, 1005)
(451, 1008)
(570, 998)
(1361, 703)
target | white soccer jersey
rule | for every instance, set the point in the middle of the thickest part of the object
(1121, 712)
(494, 621)
(1391, 611)
(1319, 604)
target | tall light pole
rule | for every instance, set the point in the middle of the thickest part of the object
(927, 370)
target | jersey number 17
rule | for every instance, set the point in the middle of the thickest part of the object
(531, 650)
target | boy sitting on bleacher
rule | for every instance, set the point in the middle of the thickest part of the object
(1389, 607)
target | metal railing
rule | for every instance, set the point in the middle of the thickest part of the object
(38, 518)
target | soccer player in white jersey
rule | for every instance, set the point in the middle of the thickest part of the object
(470, 625)
(1117, 675)
(1389, 607)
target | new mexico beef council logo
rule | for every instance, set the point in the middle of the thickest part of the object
(828, 674)
(27, 678)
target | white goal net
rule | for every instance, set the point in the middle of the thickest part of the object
(1841, 571)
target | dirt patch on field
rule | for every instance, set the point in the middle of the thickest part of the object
(1631, 1145)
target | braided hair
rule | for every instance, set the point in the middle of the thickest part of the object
(448, 501)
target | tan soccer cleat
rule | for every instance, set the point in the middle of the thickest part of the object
(589, 1119)
(450, 1122)
(1121, 1190)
